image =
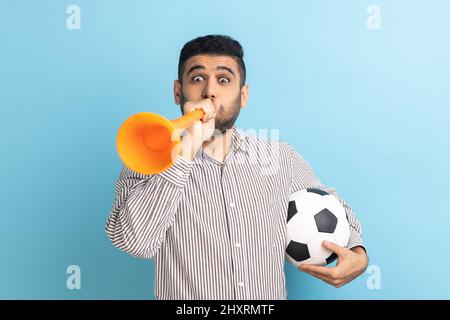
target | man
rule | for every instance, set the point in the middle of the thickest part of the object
(215, 221)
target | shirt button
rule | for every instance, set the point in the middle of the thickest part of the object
(241, 284)
(232, 205)
(238, 245)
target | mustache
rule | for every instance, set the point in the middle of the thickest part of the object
(225, 119)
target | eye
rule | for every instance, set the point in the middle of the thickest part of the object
(224, 80)
(197, 79)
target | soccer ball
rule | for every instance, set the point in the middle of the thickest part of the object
(314, 216)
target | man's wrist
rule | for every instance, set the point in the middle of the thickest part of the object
(361, 252)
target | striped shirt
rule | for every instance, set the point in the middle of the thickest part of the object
(216, 230)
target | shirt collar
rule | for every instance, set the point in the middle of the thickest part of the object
(238, 143)
(238, 140)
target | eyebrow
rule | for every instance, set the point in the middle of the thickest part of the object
(201, 67)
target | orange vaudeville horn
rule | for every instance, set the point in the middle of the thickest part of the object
(149, 143)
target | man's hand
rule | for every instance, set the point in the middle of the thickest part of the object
(350, 264)
(199, 131)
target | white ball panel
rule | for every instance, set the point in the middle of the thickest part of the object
(342, 232)
(316, 248)
(316, 261)
(307, 202)
(334, 205)
(302, 227)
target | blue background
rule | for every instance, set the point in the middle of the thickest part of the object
(369, 109)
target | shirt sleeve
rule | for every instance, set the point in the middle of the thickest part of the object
(303, 177)
(144, 207)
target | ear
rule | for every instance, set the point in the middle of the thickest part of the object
(177, 91)
(244, 96)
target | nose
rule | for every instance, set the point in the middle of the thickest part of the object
(209, 92)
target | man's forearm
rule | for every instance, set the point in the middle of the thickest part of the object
(362, 253)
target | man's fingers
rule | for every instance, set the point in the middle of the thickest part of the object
(340, 251)
(323, 271)
(318, 276)
(208, 108)
(202, 106)
(208, 111)
(330, 275)
(205, 105)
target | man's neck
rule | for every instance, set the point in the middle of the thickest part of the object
(218, 146)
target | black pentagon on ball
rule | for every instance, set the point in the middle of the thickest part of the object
(298, 251)
(326, 221)
(291, 210)
(318, 191)
(331, 258)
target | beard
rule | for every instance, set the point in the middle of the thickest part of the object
(225, 119)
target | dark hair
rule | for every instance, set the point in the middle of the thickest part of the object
(219, 45)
